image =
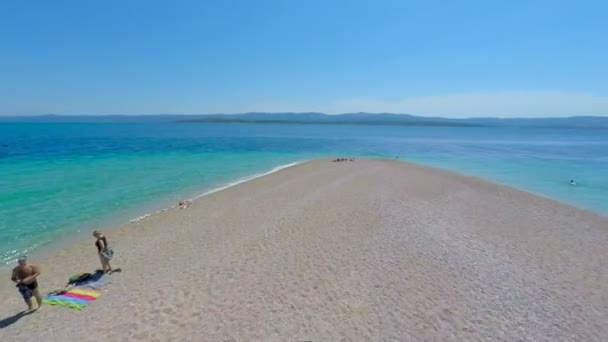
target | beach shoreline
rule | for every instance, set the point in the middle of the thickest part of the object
(76, 232)
(157, 207)
(161, 206)
(258, 201)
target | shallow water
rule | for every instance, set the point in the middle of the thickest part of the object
(57, 179)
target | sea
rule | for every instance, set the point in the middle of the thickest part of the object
(62, 180)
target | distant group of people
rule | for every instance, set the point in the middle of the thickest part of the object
(338, 160)
(25, 275)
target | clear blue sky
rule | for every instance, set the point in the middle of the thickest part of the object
(449, 58)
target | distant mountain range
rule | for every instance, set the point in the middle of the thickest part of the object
(322, 119)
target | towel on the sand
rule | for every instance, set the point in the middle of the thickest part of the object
(83, 292)
(76, 298)
(96, 281)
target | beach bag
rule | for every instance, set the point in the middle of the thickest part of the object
(107, 253)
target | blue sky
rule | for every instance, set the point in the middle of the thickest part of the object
(447, 58)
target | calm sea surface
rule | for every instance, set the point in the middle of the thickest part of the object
(57, 179)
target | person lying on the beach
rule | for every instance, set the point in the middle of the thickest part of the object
(104, 251)
(24, 275)
(183, 204)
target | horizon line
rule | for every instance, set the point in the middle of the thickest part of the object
(296, 113)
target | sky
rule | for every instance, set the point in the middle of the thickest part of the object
(433, 58)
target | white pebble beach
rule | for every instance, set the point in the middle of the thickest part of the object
(369, 250)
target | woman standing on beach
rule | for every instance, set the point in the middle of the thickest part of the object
(104, 251)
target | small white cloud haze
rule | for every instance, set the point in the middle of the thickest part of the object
(476, 104)
(473, 104)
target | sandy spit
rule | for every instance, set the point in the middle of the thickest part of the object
(371, 250)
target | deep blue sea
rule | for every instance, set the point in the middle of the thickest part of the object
(59, 179)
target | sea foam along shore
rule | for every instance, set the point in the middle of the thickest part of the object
(366, 250)
(41, 249)
(226, 186)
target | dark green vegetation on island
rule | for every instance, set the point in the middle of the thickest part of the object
(370, 119)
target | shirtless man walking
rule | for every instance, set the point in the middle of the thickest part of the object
(25, 277)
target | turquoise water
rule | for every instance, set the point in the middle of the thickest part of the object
(57, 179)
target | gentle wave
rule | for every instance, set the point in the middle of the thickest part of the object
(58, 178)
(223, 187)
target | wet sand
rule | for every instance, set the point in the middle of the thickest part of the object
(366, 250)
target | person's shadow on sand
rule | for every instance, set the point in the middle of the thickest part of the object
(13, 319)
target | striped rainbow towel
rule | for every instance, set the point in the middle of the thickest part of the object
(75, 298)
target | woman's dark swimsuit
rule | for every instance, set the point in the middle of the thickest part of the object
(98, 245)
(106, 252)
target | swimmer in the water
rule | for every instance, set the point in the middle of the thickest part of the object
(572, 182)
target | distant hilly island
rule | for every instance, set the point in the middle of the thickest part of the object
(320, 119)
